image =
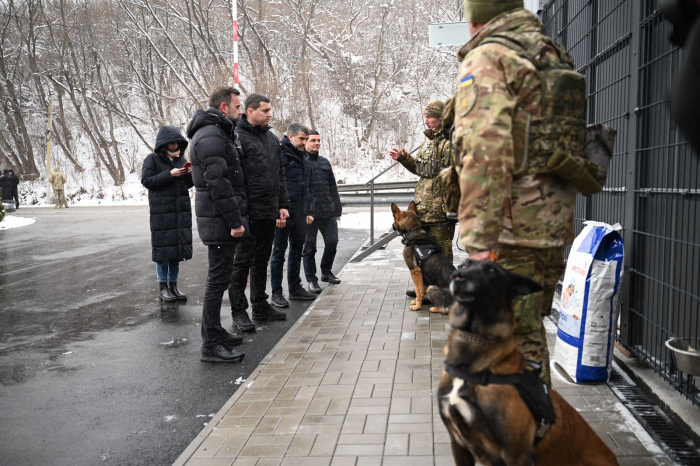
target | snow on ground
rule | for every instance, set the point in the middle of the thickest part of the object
(10, 221)
(361, 221)
(130, 193)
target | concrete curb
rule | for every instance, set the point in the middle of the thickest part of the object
(202, 436)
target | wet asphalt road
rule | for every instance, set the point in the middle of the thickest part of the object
(93, 371)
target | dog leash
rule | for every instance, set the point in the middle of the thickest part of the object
(533, 391)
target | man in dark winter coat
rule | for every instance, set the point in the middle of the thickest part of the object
(5, 185)
(268, 203)
(221, 208)
(328, 210)
(12, 184)
(298, 174)
(168, 185)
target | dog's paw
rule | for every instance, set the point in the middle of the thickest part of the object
(436, 310)
(413, 302)
(416, 306)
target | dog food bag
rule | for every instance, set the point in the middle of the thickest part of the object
(589, 304)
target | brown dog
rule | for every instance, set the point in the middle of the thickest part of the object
(490, 423)
(426, 260)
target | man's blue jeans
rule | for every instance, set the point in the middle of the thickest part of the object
(167, 271)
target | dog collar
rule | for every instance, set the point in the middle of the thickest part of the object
(472, 337)
(408, 234)
(533, 391)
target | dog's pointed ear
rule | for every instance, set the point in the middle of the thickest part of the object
(395, 209)
(412, 207)
(523, 285)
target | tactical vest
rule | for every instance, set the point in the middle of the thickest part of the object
(555, 142)
(428, 165)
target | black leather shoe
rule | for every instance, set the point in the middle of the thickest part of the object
(301, 294)
(279, 301)
(330, 278)
(220, 353)
(242, 322)
(229, 341)
(314, 288)
(172, 287)
(165, 294)
(268, 313)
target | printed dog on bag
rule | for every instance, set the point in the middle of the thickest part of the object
(430, 268)
(496, 410)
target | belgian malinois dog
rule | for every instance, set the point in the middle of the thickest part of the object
(490, 423)
(426, 260)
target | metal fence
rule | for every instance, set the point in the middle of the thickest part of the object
(622, 48)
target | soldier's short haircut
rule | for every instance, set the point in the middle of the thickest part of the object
(296, 128)
(253, 101)
(222, 94)
(313, 132)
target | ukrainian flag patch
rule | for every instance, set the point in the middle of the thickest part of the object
(466, 81)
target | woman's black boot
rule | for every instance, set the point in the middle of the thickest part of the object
(172, 286)
(165, 294)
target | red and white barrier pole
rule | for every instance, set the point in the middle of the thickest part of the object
(234, 14)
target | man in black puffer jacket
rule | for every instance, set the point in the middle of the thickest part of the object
(221, 208)
(298, 174)
(328, 210)
(268, 204)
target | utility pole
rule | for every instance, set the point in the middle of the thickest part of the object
(234, 15)
(49, 140)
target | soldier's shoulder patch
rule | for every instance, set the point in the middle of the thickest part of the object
(466, 97)
(466, 81)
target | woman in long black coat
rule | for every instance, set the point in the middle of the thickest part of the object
(168, 183)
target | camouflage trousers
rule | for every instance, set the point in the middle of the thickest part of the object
(545, 266)
(444, 233)
(60, 198)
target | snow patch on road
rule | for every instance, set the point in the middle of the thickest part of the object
(10, 221)
(361, 221)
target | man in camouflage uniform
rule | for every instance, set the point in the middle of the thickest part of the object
(510, 209)
(58, 180)
(432, 157)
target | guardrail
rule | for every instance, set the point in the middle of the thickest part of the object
(371, 186)
(348, 188)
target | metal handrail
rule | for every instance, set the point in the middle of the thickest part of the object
(371, 196)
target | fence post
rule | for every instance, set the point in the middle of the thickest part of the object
(630, 174)
(371, 216)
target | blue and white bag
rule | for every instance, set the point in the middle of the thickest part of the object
(589, 305)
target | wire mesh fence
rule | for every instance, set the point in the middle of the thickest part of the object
(653, 185)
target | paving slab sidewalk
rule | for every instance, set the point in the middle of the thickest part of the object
(353, 383)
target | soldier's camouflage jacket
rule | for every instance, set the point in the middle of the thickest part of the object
(506, 199)
(433, 156)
